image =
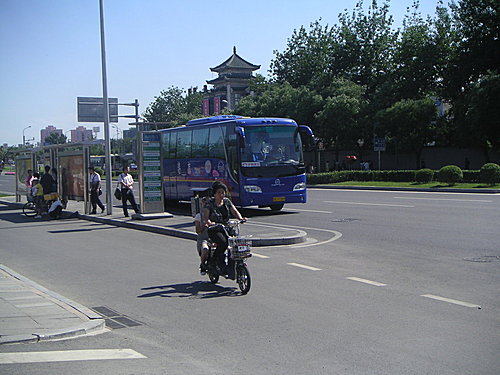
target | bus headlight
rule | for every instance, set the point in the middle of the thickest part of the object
(252, 189)
(299, 186)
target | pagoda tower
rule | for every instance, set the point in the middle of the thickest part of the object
(230, 86)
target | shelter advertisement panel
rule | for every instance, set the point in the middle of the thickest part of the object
(151, 173)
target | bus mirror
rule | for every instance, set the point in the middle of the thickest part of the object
(306, 136)
(241, 136)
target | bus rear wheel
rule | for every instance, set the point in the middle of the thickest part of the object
(276, 207)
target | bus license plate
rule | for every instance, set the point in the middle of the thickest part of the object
(278, 199)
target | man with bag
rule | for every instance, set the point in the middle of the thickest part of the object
(126, 182)
(95, 191)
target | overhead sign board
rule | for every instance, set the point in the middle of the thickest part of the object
(378, 144)
(92, 110)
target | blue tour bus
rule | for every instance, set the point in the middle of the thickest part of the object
(259, 159)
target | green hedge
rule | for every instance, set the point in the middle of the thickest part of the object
(422, 176)
(344, 176)
(490, 173)
(450, 174)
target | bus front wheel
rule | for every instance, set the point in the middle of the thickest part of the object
(276, 207)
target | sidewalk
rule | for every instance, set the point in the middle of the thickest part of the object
(31, 313)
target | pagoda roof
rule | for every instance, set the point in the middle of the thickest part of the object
(235, 62)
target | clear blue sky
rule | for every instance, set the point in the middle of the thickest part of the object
(50, 50)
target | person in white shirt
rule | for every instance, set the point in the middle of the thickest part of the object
(126, 183)
(95, 190)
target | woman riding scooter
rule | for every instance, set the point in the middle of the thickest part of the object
(217, 211)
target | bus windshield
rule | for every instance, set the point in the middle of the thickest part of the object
(272, 146)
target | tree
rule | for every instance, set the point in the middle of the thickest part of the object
(282, 100)
(55, 139)
(478, 115)
(411, 123)
(339, 120)
(173, 107)
(6, 153)
(478, 32)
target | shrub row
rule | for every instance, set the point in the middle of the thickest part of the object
(489, 174)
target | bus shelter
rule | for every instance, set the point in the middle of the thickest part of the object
(69, 162)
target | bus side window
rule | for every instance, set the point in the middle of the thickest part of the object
(165, 141)
(200, 143)
(216, 143)
(184, 144)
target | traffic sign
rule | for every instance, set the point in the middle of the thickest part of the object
(378, 144)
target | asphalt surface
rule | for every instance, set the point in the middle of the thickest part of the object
(31, 313)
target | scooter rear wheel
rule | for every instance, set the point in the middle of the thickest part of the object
(243, 278)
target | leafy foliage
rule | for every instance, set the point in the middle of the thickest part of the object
(424, 175)
(173, 107)
(490, 173)
(55, 139)
(450, 174)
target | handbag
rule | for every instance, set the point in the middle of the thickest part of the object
(99, 192)
(118, 194)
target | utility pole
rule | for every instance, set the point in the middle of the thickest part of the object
(107, 140)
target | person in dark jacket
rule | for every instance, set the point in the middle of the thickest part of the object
(47, 181)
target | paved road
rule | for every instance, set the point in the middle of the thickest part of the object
(367, 302)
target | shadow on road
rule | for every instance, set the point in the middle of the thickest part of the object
(197, 289)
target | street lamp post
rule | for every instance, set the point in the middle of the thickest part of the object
(24, 138)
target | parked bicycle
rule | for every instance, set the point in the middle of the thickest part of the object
(233, 266)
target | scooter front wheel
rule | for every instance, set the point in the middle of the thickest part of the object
(243, 278)
(214, 278)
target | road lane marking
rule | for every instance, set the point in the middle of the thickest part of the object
(260, 256)
(365, 281)
(314, 211)
(310, 268)
(450, 300)
(336, 235)
(69, 355)
(447, 199)
(371, 204)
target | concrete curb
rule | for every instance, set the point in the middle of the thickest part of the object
(444, 190)
(256, 242)
(79, 330)
(140, 225)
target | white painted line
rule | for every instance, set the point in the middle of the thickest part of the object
(260, 256)
(365, 281)
(41, 304)
(315, 211)
(446, 199)
(31, 296)
(69, 355)
(371, 204)
(449, 300)
(336, 235)
(310, 268)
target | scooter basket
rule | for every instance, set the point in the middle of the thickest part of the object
(240, 247)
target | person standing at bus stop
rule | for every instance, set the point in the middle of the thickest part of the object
(126, 183)
(95, 191)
